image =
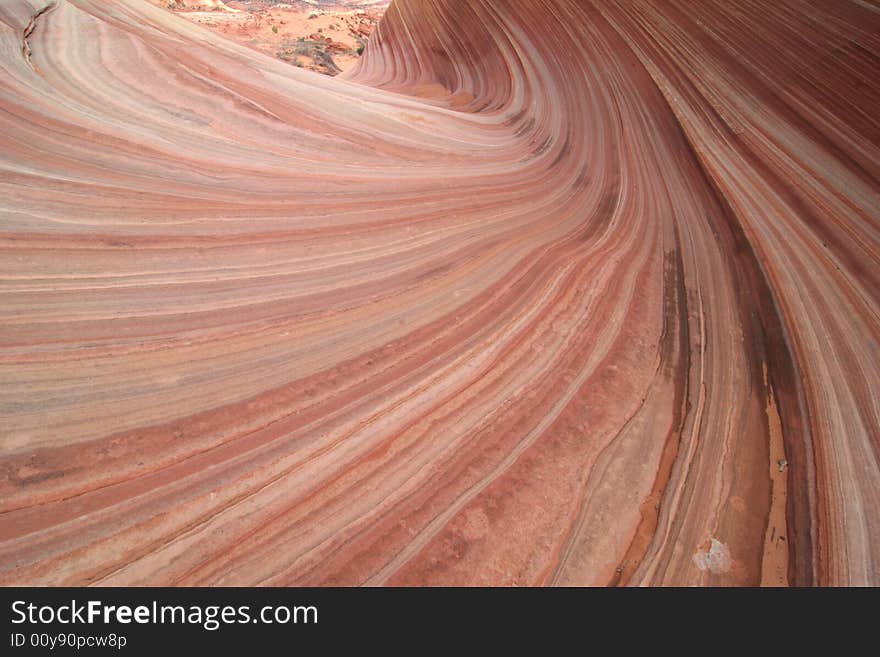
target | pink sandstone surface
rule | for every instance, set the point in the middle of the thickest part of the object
(539, 292)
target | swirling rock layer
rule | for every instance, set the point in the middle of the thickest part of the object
(543, 292)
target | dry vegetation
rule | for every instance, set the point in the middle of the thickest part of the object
(327, 39)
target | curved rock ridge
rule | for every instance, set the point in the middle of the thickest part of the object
(542, 292)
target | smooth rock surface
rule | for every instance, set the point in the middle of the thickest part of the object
(542, 292)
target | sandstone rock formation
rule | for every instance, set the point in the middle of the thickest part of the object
(541, 292)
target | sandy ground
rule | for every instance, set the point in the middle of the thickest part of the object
(324, 37)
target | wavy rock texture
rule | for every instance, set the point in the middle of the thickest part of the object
(544, 292)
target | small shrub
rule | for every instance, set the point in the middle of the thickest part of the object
(275, 29)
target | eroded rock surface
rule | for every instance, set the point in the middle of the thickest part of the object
(538, 293)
